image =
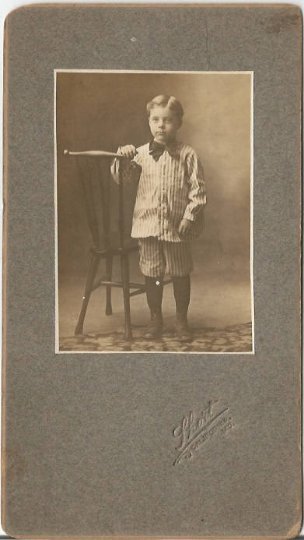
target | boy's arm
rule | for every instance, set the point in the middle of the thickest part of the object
(128, 169)
(197, 188)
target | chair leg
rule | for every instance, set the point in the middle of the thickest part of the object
(109, 266)
(87, 292)
(126, 294)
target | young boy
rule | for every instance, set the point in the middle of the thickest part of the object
(168, 210)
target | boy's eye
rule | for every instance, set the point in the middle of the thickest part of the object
(166, 120)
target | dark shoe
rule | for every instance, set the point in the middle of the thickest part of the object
(182, 330)
(155, 327)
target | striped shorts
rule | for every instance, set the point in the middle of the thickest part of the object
(158, 257)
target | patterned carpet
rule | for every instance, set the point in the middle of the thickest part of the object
(231, 339)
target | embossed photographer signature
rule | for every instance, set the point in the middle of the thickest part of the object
(193, 431)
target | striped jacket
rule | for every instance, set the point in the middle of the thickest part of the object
(169, 190)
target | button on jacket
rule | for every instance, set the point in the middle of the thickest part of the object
(169, 189)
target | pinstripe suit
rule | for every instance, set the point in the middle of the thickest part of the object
(169, 189)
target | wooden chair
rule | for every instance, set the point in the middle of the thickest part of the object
(98, 211)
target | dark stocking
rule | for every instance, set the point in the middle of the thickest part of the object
(154, 291)
(181, 289)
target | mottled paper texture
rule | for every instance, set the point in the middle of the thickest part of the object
(151, 445)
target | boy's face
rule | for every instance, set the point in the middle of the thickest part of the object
(164, 124)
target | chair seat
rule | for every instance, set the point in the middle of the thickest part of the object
(112, 250)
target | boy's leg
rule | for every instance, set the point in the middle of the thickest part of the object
(179, 266)
(154, 291)
(152, 265)
(181, 289)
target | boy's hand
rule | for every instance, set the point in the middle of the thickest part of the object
(129, 151)
(184, 227)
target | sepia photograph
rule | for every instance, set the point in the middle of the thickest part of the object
(154, 211)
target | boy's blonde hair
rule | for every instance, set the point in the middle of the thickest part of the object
(166, 101)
